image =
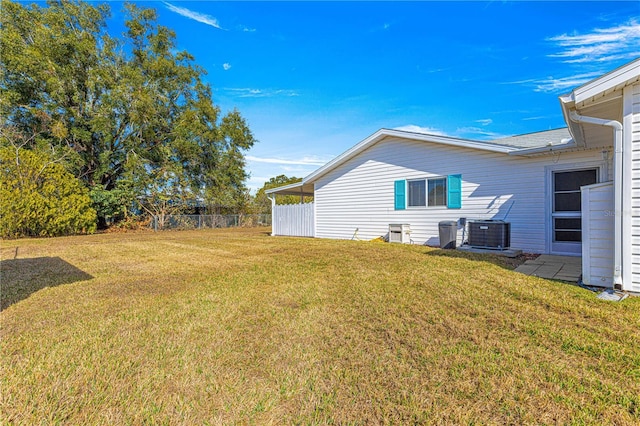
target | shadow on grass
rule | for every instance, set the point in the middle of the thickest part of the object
(23, 277)
(509, 263)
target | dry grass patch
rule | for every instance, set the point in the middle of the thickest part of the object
(233, 326)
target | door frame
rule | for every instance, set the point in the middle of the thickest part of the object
(602, 172)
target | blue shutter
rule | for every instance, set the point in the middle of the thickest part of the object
(400, 194)
(454, 191)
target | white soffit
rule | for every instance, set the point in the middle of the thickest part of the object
(599, 88)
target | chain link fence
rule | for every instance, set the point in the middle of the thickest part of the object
(202, 221)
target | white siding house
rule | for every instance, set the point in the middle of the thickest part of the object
(360, 193)
(632, 120)
(535, 182)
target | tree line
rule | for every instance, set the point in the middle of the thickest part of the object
(123, 125)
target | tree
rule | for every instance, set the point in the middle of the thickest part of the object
(127, 112)
(263, 203)
(40, 198)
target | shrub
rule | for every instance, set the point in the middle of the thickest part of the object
(112, 206)
(40, 198)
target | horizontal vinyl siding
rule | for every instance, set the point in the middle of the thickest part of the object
(360, 193)
(294, 220)
(597, 234)
(635, 190)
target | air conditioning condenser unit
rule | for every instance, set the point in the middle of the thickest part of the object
(489, 234)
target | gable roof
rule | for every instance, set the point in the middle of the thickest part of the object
(510, 145)
(513, 145)
(402, 134)
(536, 139)
(528, 144)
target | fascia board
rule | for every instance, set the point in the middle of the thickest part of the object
(545, 149)
(616, 79)
(284, 188)
(384, 133)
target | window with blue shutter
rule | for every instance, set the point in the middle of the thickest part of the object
(454, 191)
(400, 194)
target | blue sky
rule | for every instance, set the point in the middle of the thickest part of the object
(314, 78)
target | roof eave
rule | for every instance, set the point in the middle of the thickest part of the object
(594, 91)
(548, 149)
(568, 103)
(297, 188)
(609, 82)
(385, 133)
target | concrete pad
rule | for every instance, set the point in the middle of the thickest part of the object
(527, 269)
(612, 295)
(534, 262)
(565, 268)
(546, 272)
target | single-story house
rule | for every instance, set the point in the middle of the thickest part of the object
(569, 191)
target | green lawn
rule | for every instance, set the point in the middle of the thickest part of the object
(236, 327)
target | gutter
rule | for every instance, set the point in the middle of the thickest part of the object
(545, 149)
(617, 188)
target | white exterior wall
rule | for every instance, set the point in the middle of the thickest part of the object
(597, 234)
(293, 220)
(360, 193)
(631, 222)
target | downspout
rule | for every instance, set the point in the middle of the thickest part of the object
(273, 209)
(617, 188)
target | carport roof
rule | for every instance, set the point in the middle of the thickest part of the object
(304, 189)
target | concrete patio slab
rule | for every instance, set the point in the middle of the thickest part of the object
(564, 268)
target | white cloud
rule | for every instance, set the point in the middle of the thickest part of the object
(559, 84)
(600, 45)
(304, 161)
(551, 84)
(538, 117)
(196, 16)
(477, 133)
(418, 129)
(470, 132)
(226, 66)
(248, 30)
(591, 51)
(246, 92)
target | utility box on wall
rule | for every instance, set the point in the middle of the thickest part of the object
(400, 233)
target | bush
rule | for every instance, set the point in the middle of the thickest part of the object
(40, 198)
(111, 206)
